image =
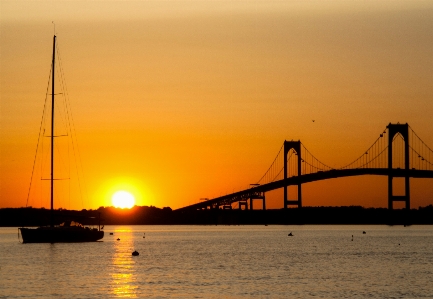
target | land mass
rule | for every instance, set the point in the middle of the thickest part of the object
(144, 215)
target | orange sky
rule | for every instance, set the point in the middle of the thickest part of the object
(179, 100)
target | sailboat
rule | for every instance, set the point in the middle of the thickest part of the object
(69, 231)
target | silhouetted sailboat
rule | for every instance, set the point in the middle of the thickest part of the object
(69, 231)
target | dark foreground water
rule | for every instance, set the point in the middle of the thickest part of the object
(224, 262)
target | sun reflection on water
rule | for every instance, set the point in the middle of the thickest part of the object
(123, 280)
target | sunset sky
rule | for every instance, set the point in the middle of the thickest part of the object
(175, 101)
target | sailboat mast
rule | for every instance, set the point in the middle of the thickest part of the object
(52, 133)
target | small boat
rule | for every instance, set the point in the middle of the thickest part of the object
(290, 234)
(135, 253)
(69, 231)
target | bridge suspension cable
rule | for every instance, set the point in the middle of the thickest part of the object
(274, 170)
(311, 163)
(375, 155)
(421, 154)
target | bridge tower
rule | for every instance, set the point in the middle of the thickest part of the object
(394, 129)
(296, 146)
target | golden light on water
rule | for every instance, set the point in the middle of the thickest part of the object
(123, 280)
(122, 287)
(123, 199)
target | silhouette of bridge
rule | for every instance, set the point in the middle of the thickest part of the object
(398, 152)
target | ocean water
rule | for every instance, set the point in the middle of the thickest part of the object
(224, 262)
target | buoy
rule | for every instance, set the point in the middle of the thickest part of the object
(135, 253)
(118, 239)
(364, 232)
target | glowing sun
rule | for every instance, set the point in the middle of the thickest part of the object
(123, 199)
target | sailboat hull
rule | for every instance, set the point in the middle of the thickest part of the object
(60, 235)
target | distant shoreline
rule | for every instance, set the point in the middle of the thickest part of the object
(16, 217)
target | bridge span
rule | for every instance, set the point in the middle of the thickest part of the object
(258, 192)
(402, 155)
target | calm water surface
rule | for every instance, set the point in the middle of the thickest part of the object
(224, 262)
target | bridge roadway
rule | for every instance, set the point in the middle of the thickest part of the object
(257, 192)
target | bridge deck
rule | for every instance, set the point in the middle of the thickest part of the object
(257, 191)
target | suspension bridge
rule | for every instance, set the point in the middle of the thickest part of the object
(398, 152)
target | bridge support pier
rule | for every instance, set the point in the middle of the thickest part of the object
(243, 204)
(296, 146)
(261, 196)
(394, 129)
